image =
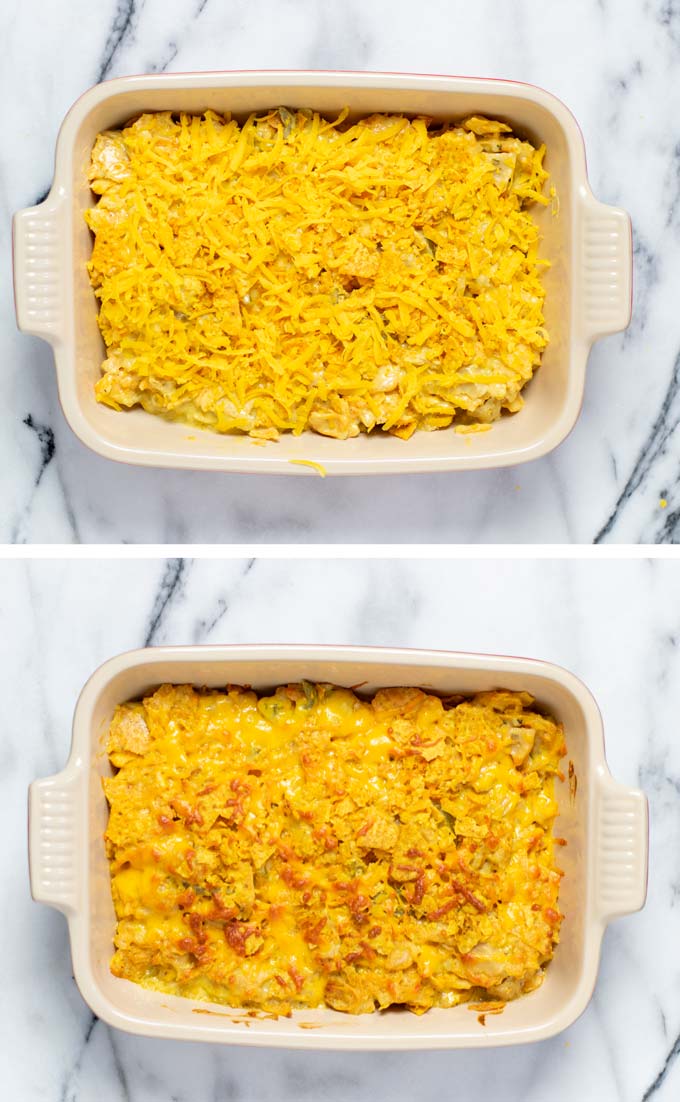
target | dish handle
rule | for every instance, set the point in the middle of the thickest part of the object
(38, 261)
(606, 266)
(622, 851)
(52, 840)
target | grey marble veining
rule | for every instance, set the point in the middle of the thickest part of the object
(615, 624)
(614, 64)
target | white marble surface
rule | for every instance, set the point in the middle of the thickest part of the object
(615, 624)
(614, 62)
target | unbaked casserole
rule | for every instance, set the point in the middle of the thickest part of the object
(310, 848)
(298, 272)
(586, 244)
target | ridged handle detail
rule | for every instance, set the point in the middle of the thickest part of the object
(38, 270)
(622, 850)
(606, 268)
(53, 840)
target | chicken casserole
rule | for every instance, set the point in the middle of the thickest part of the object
(310, 848)
(298, 273)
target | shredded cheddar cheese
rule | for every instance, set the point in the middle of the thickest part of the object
(318, 467)
(309, 848)
(296, 273)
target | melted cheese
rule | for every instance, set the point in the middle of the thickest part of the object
(294, 273)
(310, 848)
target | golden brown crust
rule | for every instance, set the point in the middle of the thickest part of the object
(311, 848)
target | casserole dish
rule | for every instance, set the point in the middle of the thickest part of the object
(588, 285)
(605, 860)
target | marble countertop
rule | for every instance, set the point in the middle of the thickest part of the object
(626, 1046)
(614, 64)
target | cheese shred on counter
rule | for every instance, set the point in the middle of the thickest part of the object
(309, 848)
(296, 273)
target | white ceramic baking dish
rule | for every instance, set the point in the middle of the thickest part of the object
(588, 285)
(605, 860)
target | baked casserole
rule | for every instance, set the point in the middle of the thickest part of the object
(311, 848)
(295, 272)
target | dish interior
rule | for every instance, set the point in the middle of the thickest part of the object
(549, 398)
(563, 985)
